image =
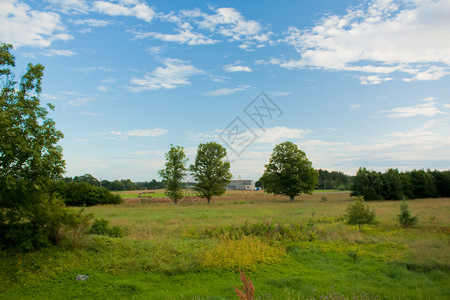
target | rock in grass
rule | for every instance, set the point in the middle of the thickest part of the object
(82, 277)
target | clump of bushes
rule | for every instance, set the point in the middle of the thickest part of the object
(265, 231)
(100, 227)
(405, 219)
(84, 194)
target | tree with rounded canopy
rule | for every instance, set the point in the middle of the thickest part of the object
(174, 173)
(210, 171)
(30, 158)
(289, 172)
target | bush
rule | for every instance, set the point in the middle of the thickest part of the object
(359, 214)
(100, 227)
(405, 219)
(84, 194)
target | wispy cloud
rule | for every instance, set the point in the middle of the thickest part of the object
(92, 69)
(373, 79)
(236, 68)
(226, 91)
(70, 6)
(56, 52)
(428, 108)
(176, 73)
(140, 132)
(92, 22)
(80, 101)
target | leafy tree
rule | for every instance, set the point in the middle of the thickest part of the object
(422, 184)
(175, 172)
(210, 170)
(405, 219)
(392, 185)
(289, 172)
(359, 214)
(88, 178)
(367, 184)
(117, 185)
(441, 180)
(29, 159)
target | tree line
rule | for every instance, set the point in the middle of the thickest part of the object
(396, 185)
(117, 185)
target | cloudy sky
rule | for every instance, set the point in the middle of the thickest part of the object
(352, 83)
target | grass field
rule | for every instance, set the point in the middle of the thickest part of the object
(300, 250)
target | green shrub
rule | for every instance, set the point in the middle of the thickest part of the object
(100, 226)
(405, 219)
(359, 214)
(84, 194)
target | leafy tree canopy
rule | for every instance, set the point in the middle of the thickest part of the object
(174, 172)
(289, 172)
(210, 171)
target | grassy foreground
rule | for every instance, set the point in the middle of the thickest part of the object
(298, 250)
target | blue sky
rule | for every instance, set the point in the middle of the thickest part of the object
(352, 83)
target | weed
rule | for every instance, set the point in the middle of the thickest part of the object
(247, 291)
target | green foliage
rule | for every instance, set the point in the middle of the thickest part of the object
(289, 172)
(357, 213)
(246, 253)
(367, 184)
(404, 218)
(29, 159)
(266, 231)
(210, 171)
(333, 180)
(174, 172)
(100, 227)
(393, 185)
(84, 194)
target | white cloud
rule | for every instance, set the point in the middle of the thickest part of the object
(380, 37)
(355, 106)
(428, 108)
(92, 69)
(125, 8)
(197, 28)
(185, 36)
(92, 22)
(22, 26)
(102, 88)
(279, 134)
(373, 79)
(55, 52)
(141, 132)
(70, 6)
(80, 101)
(280, 93)
(236, 68)
(446, 105)
(176, 73)
(226, 91)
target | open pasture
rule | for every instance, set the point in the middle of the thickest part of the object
(299, 250)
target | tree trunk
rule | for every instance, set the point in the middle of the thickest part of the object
(209, 200)
(175, 201)
(291, 198)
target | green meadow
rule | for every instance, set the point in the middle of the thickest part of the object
(300, 250)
